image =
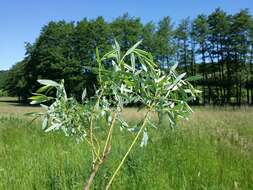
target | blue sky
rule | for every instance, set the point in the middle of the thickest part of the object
(21, 21)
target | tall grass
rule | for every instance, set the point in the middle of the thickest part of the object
(213, 150)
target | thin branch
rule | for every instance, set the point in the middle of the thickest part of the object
(129, 150)
(107, 149)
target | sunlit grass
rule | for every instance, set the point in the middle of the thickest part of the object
(213, 150)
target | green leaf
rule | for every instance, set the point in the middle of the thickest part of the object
(39, 99)
(44, 106)
(144, 67)
(43, 89)
(141, 52)
(173, 68)
(188, 91)
(50, 128)
(116, 45)
(84, 94)
(129, 51)
(128, 67)
(97, 55)
(45, 123)
(123, 123)
(110, 54)
(133, 61)
(48, 82)
(160, 79)
(178, 79)
(144, 140)
(172, 121)
(117, 48)
(194, 78)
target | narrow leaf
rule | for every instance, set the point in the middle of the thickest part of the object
(144, 140)
(194, 78)
(133, 48)
(84, 94)
(48, 82)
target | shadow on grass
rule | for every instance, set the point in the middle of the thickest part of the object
(12, 101)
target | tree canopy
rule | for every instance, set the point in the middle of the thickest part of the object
(218, 46)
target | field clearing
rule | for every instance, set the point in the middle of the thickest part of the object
(10, 106)
(213, 150)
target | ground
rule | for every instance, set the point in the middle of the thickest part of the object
(212, 150)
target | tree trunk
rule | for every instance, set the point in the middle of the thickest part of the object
(251, 73)
(248, 101)
(185, 56)
(204, 74)
(93, 173)
(96, 168)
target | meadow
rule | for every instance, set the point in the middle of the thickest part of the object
(212, 150)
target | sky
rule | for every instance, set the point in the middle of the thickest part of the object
(21, 21)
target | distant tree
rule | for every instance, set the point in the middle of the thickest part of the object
(218, 46)
(16, 83)
(164, 42)
(200, 34)
(3, 76)
(126, 30)
(52, 56)
(250, 77)
(148, 37)
(240, 43)
(218, 23)
(182, 35)
(87, 36)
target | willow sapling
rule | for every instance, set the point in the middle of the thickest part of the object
(131, 77)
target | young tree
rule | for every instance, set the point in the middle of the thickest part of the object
(122, 83)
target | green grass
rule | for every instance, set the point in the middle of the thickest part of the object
(213, 150)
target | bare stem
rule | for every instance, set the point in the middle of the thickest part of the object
(95, 154)
(106, 151)
(128, 151)
(94, 150)
(95, 169)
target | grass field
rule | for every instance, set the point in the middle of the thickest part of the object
(213, 150)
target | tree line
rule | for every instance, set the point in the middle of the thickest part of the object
(218, 46)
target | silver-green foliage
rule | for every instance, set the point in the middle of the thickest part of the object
(123, 78)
